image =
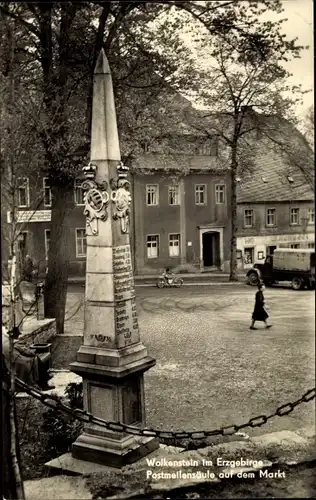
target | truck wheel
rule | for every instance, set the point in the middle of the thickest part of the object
(297, 283)
(253, 279)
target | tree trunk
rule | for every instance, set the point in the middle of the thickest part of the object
(14, 481)
(233, 276)
(14, 445)
(56, 150)
(58, 259)
(10, 487)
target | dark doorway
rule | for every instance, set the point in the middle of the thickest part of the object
(207, 241)
(270, 250)
(211, 249)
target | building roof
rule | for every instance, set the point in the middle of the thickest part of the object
(272, 179)
(150, 163)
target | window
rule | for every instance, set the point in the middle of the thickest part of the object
(220, 190)
(200, 194)
(23, 193)
(81, 243)
(152, 194)
(294, 216)
(47, 242)
(79, 192)
(248, 255)
(271, 219)
(248, 218)
(311, 216)
(174, 245)
(209, 147)
(152, 246)
(47, 192)
(310, 245)
(295, 245)
(174, 197)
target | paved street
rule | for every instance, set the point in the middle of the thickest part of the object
(211, 369)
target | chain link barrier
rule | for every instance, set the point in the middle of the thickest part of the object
(84, 416)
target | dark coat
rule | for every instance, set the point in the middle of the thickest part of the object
(259, 312)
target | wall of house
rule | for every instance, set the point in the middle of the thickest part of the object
(212, 214)
(164, 219)
(188, 220)
(34, 232)
(161, 219)
(260, 237)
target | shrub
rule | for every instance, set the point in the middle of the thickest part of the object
(61, 428)
(74, 393)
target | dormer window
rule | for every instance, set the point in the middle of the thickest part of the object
(209, 147)
(264, 179)
(238, 179)
(290, 179)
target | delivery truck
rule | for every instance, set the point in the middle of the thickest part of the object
(286, 264)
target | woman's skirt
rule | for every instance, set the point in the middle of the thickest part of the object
(259, 314)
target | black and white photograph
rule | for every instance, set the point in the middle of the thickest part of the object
(157, 249)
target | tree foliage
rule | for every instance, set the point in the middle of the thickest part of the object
(307, 126)
(247, 95)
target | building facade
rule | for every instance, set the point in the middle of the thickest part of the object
(264, 227)
(33, 206)
(180, 212)
(275, 209)
(181, 221)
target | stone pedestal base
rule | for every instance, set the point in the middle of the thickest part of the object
(105, 451)
(113, 390)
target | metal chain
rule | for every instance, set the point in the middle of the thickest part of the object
(53, 401)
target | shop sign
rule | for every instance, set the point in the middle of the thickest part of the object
(27, 216)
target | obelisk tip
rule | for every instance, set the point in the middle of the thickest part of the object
(102, 65)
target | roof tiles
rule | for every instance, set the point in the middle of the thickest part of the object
(276, 186)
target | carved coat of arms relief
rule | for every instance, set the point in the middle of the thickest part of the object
(96, 201)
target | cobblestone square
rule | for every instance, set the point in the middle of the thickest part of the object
(213, 371)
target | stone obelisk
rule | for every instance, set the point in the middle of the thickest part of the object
(112, 359)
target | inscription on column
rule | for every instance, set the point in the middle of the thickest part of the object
(123, 273)
(126, 322)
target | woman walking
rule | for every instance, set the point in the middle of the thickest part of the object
(259, 312)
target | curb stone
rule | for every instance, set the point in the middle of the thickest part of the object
(273, 451)
(276, 450)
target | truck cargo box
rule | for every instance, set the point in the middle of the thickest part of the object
(292, 259)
